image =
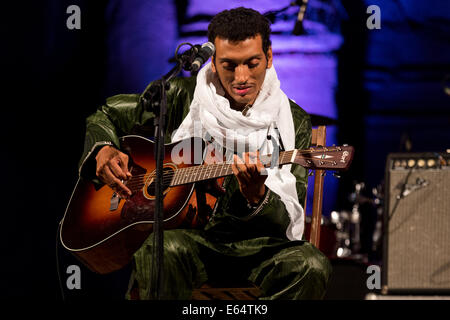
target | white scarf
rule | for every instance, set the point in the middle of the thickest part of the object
(210, 112)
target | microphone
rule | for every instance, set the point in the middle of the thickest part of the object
(204, 53)
(298, 28)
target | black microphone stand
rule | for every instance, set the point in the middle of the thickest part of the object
(154, 99)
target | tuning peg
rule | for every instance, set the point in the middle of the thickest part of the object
(336, 175)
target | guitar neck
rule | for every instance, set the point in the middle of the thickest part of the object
(323, 158)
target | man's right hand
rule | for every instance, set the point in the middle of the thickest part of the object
(112, 169)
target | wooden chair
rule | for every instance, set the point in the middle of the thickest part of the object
(249, 291)
(318, 139)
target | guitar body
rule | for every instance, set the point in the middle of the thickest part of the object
(105, 237)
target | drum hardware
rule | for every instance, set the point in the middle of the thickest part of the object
(378, 202)
(348, 223)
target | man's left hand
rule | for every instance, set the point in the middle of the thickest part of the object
(251, 174)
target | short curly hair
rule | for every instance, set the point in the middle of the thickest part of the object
(239, 24)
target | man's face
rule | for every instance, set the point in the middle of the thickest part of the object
(241, 67)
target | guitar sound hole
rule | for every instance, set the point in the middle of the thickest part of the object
(167, 178)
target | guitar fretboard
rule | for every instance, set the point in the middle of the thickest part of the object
(217, 170)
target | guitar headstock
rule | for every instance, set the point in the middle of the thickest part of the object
(326, 158)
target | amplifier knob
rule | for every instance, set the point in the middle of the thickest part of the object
(421, 163)
(431, 162)
(403, 164)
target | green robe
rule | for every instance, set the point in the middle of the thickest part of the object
(236, 243)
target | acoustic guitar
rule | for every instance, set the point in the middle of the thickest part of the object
(104, 231)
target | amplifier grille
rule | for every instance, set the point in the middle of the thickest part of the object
(418, 237)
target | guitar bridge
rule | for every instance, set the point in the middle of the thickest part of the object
(115, 199)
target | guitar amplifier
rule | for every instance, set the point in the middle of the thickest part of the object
(416, 251)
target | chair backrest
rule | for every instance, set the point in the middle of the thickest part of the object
(318, 138)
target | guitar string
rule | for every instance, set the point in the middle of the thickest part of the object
(221, 164)
(201, 169)
(137, 183)
(196, 167)
(185, 172)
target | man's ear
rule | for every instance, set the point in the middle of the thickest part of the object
(213, 64)
(269, 57)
